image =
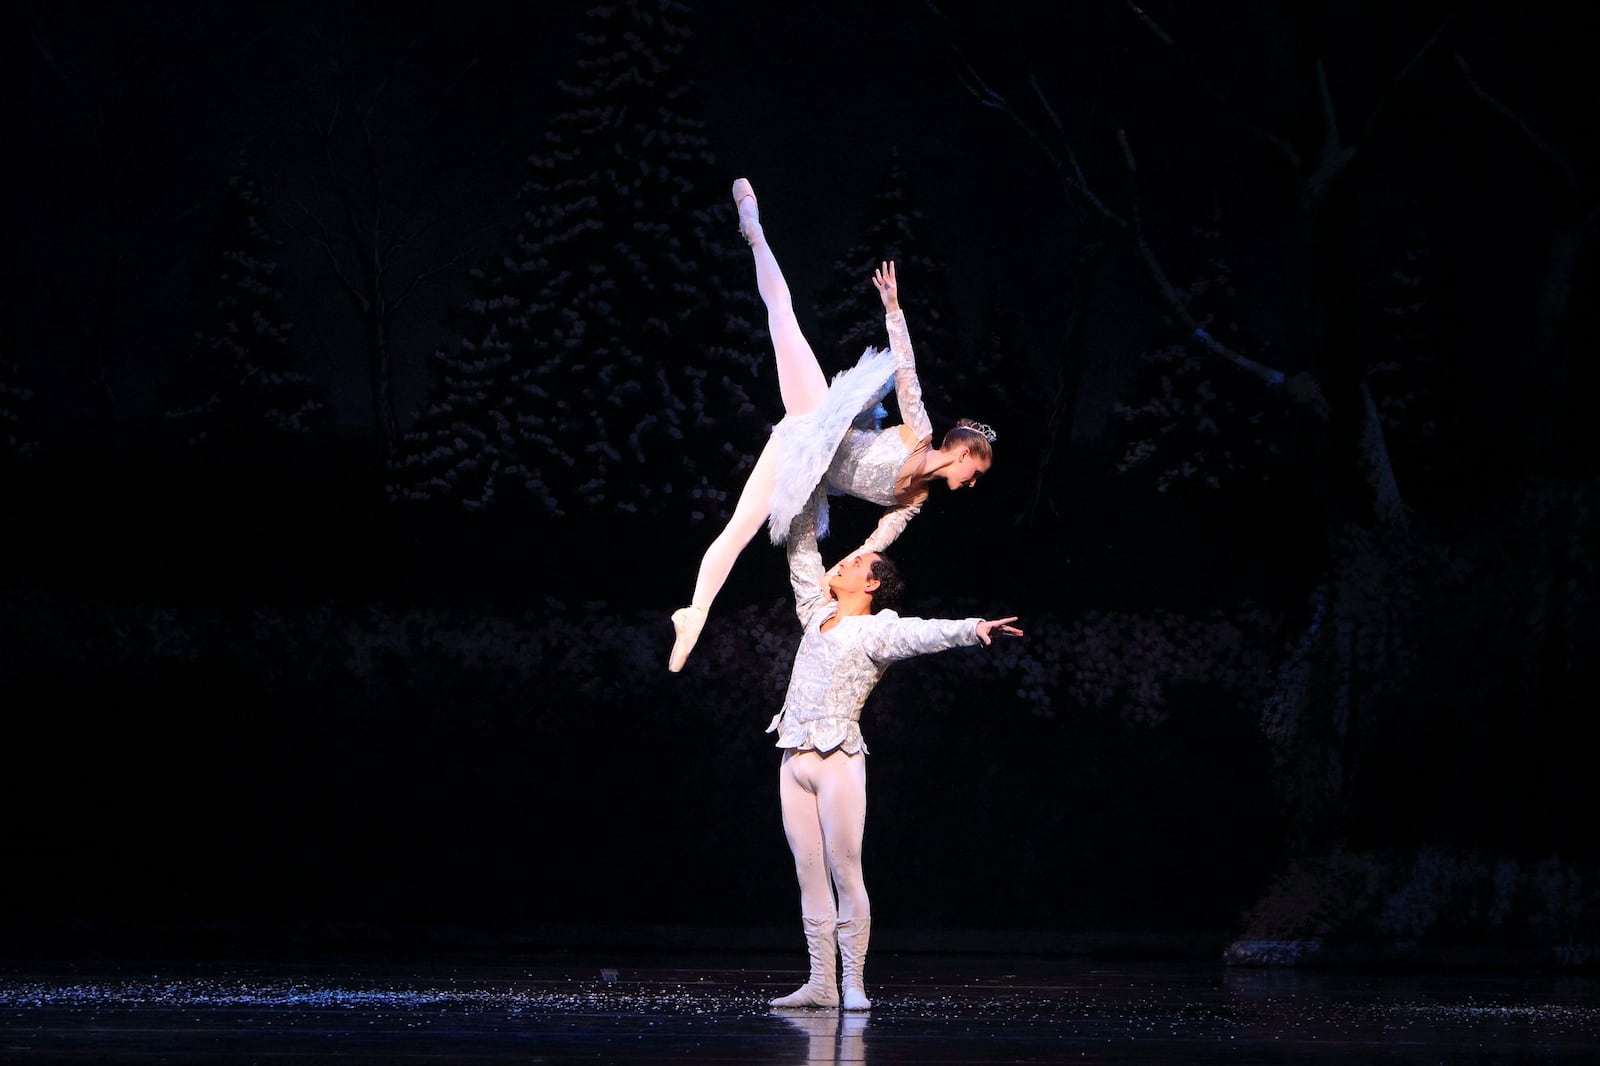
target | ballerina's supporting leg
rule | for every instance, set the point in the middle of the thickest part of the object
(748, 515)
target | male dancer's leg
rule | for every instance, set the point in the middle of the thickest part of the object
(824, 816)
(842, 805)
(820, 917)
(802, 825)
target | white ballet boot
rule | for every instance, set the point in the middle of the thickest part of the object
(822, 988)
(687, 623)
(853, 935)
(744, 199)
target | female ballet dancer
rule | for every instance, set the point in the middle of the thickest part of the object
(822, 776)
(831, 433)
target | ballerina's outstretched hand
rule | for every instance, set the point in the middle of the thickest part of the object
(888, 289)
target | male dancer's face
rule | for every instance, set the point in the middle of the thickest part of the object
(853, 574)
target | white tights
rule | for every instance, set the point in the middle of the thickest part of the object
(803, 388)
(825, 816)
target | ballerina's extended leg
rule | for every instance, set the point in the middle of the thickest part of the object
(800, 379)
(803, 388)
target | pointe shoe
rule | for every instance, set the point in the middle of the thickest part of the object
(744, 199)
(687, 621)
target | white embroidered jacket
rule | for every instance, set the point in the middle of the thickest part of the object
(834, 672)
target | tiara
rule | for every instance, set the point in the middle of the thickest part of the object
(981, 427)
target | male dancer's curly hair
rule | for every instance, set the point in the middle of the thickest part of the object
(891, 588)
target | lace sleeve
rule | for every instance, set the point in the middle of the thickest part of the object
(890, 526)
(807, 576)
(907, 389)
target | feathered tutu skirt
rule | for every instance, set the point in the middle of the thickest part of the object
(807, 443)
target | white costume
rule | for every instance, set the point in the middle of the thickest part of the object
(822, 779)
(843, 444)
(834, 672)
(830, 436)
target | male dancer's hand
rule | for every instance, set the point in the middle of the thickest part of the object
(1000, 625)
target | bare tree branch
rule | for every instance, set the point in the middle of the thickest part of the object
(991, 98)
(1170, 295)
(338, 272)
(1335, 154)
(1405, 72)
(1150, 23)
(423, 275)
(1280, 144)
(1541, 146)
(1061, 131)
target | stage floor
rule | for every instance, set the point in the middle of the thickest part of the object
(608, 1007)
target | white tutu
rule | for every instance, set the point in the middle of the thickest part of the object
(806, 443)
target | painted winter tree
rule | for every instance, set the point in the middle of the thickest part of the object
(381, 158)
(236, 383)
(605, 362)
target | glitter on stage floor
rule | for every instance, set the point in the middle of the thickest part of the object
(927, 1009)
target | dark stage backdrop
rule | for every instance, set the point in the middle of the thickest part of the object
(371, 383)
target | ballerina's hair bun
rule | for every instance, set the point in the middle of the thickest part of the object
(977, 427)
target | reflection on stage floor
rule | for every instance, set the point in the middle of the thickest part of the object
(606, 1007)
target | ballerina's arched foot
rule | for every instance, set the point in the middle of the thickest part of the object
(744, 199)
(687, 622)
